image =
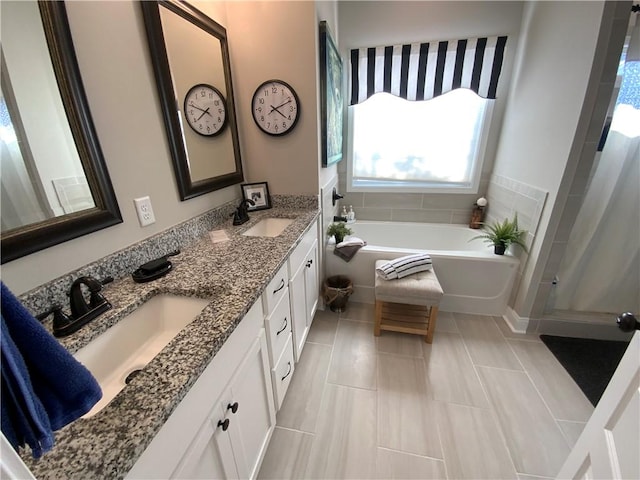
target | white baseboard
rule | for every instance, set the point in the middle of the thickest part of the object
(516, 323)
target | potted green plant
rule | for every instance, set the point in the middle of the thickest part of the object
(502, 234)
(339, 230)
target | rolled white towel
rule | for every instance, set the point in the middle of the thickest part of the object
(351, 240)
(404, 266)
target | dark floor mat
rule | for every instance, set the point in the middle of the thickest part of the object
(590, 363)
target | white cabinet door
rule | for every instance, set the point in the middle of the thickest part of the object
(203, 438)
(311, 282)
(303, 296)
(250, 395)
(210, 455)
(609, 446)
(298, 301)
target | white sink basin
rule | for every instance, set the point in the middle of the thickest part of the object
(269, 227)
(134, 341)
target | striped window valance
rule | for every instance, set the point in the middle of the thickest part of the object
(420, 71)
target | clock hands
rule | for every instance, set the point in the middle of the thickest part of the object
(201, 109)
(203, 113)
(275, 109)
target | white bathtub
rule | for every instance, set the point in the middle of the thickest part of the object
(474, 280)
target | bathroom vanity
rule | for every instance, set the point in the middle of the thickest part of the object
(206, 404)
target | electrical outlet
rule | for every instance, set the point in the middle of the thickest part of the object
(144, 211)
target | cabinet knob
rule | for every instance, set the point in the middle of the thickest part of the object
(309, 263)
(233, 408)
(224, 424)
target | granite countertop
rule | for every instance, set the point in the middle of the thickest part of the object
(233, 275)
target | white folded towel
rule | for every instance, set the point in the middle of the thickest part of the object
(351, 240)
(404, 266)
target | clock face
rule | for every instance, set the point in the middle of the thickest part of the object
(275, 107)
(205, 110)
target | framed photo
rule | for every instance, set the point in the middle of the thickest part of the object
(258, 193)
(331, 103)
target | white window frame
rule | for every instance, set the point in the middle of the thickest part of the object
(398, 187)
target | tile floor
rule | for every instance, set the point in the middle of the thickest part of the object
(479, 403)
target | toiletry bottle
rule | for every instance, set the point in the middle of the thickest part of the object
(351, 216)
(345, 214)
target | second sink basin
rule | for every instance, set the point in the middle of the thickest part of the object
(269, 227)
(119, 353)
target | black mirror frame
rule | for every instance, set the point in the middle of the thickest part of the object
(38, 236)
(153, 25)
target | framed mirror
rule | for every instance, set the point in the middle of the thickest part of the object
(190, 59)
(55, 183)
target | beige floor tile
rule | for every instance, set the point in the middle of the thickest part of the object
(400, 343)
(472, 444)
(359, 312)
(450, 373)
(391, 465)
(287, 455)
(353, 362)
(344, 446)
(563, 397)
(406, 416)
(571, 430)
(534, 440)
(302, 402)
(323, 329)
(486, 345)
(446, 322)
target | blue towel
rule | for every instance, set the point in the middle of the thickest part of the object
(43, 387)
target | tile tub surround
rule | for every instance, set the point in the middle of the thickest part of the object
(232, 274)
(411, 207)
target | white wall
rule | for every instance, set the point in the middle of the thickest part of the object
(546, 97)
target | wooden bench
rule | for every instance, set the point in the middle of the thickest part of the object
(407, 305)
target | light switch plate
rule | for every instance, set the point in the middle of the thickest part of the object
(144, 211)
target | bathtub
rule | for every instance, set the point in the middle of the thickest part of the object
(473, 279)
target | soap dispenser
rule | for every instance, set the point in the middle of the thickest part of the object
(351, 216)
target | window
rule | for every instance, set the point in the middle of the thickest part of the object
(396, 145)
(419, 114)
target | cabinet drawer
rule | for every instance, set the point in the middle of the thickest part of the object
(278, 326)
(275, 290)
(298, 256)
(282, 373)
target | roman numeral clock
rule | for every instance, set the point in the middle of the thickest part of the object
(275, 107)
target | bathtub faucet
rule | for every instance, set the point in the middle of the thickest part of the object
(339, 219)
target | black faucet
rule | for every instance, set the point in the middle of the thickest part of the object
(241, 215)
(339, 219)
(82, 312)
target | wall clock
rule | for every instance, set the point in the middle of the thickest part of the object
(275, 107)
(205, 110)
